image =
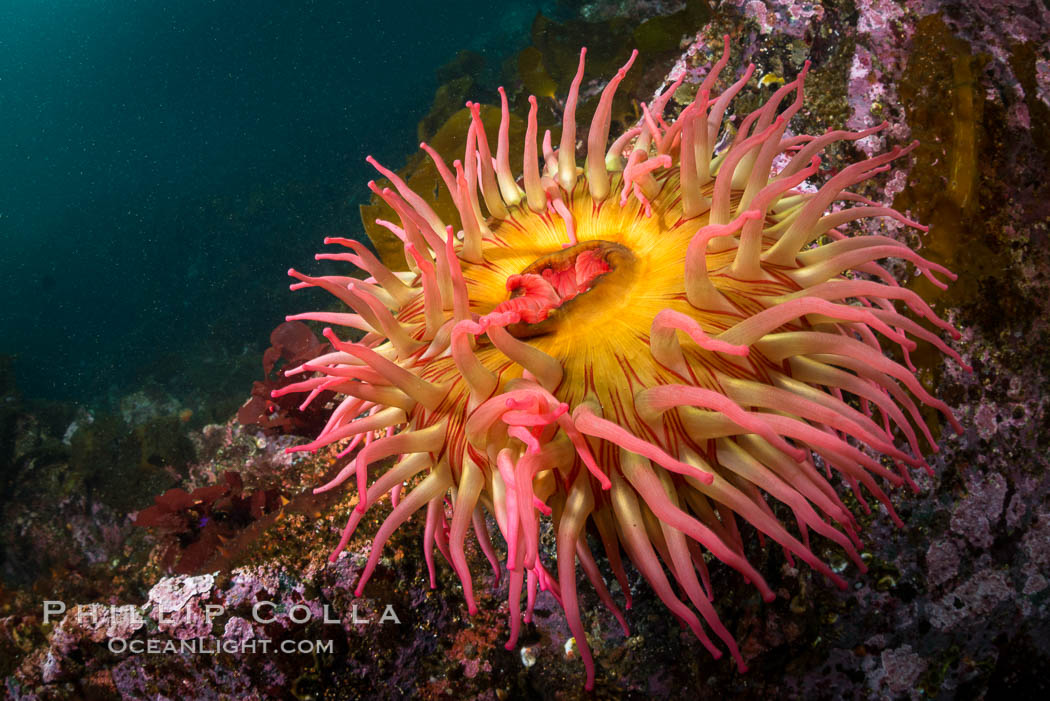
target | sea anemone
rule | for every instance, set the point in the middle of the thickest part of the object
(662, 345)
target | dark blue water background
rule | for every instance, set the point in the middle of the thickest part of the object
(162, 164)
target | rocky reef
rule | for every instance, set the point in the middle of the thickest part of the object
(955, 605)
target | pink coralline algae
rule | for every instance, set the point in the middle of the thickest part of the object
(791, 17)
(974, 516)
(177, 604)
(903, 668)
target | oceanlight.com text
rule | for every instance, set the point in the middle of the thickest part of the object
(212, 646)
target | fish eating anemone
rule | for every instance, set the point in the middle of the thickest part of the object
(668, 348)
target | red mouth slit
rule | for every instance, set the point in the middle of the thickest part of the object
(549, 284)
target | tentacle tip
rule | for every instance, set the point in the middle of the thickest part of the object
(508, 646)
(359, 590)
(769, 597)
(333, 557)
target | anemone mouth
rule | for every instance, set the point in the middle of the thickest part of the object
(554, 286)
